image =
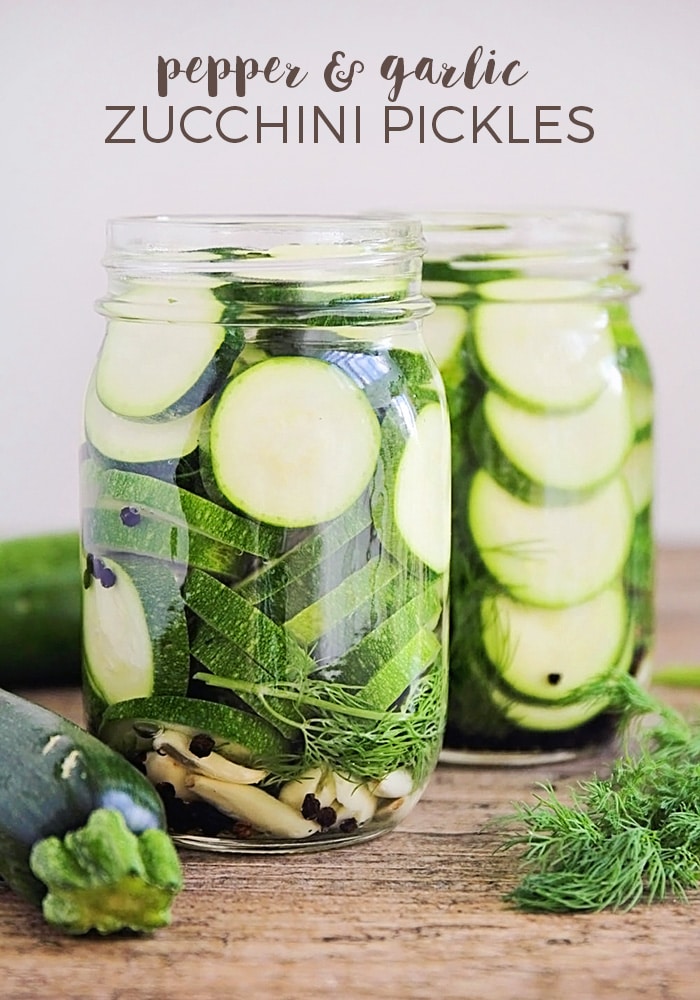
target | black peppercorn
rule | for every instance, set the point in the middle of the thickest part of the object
(107, 577)
(310, 807)
(201, 745)
(326, 817)
(130, 516)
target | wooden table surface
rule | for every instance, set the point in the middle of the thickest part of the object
(417, 913)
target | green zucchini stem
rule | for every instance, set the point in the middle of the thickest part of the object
(103, 877)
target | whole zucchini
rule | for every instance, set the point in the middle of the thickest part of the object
(40, 610)
(82, 831)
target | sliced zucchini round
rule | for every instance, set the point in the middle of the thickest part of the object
(577, 708)
(547, 355)
(551, 556)
(190, 298)
(135, 442)
(134, 629)
(521, 289)
(292, 442)
(422, 489)
(548, 718)
(548, 652)
(382, 373)
(638, 473)
(380, 334)
(411, 495)
(566, 451)
(440, 290)
(321, 278)
(444, 331)
(151, 370)
(641, 396)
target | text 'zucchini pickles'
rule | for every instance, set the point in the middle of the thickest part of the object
(550, 397)
(265, 483)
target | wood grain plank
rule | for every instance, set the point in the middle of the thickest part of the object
(418, 913)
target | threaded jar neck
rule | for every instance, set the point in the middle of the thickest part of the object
(583, 246)
(366, 268)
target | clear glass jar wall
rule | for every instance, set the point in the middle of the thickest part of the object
(266, 488)
(550, 396)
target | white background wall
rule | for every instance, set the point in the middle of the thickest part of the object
(633, 61)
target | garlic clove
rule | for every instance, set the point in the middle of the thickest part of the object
(397, 809)
(357, 799)
(161, 769)
(252, 805)
(295, 791)
(395, 785)
(317, 781)
(177, 746)
(326, 791)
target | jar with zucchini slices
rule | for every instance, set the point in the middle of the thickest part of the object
(550, 395)
(266, 526)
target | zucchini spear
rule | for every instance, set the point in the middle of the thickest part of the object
(82, 832)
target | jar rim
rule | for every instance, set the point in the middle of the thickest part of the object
(546, 231)
(310, 262)
(154, 234)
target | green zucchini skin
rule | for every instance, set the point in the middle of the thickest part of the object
(40, 610)
(53, 776)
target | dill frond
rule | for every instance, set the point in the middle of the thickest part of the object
(337, 728)
(631, 837)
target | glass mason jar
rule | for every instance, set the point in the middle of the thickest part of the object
(265, 493)
(550, 397)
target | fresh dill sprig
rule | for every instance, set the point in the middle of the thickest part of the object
(338, 728)
(633, 836)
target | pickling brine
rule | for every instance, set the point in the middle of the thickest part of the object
(550, 396)
(266, 489)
